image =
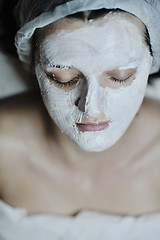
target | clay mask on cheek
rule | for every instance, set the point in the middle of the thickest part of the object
(115, 48)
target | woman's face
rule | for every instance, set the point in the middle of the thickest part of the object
(93, 77)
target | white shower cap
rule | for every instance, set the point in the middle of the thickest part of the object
(37, 14)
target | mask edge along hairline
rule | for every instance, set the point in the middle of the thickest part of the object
(26, 39)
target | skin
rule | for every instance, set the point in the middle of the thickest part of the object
(107, 77)
(41, 166)
(42, 170)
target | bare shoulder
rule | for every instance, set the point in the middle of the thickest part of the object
(22, 124)
(150, 111)
(21, 117)
(148, 128)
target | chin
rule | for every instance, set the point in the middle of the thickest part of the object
(94, 141)
(95, 148)
(94, 145)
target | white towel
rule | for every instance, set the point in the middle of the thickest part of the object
(15, 224)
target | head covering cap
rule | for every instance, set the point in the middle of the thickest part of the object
(33, 14)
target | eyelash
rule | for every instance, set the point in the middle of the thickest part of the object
(61, 84)
(77, 78)
(119, 80)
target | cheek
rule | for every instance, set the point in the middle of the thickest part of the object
(53, 97)
(57, 101)
(124, 103)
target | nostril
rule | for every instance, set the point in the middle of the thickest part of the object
(77, 102)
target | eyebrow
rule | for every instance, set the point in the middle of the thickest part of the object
(59, 66)
(127, 65)
(47, 63)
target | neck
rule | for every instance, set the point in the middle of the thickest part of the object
(74, 156)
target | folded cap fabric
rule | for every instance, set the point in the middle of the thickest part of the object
(33, 14)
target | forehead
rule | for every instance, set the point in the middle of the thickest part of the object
(113, 35)
(73, 23)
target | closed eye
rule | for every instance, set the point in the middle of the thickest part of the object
(63, 77)
(57, 82)
(118, 77)
(121, 80)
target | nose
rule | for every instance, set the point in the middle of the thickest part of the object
(93, 119)
(92, 103)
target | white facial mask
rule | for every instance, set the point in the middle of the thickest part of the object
(94, 49)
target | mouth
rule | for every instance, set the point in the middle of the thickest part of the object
(92, 127)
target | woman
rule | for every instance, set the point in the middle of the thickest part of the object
(92, 67)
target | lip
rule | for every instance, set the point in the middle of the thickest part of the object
(92, 127)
